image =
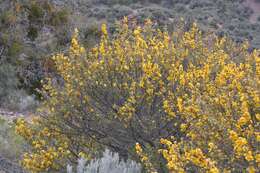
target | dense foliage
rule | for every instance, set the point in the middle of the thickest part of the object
(31, 30)
(180, 102)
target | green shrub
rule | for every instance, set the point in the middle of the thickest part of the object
(32, 32)
(59, 17)
(36, 12)
(14, 49)
(7, 18)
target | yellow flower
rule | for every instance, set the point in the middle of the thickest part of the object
(213, 170)
(183, 127)
(249, 156)
(242, 121)
(179, 104)
(257, 117)
(137, 31)
(104, 29)
(211, 146)
(251, 169)
(257, 158)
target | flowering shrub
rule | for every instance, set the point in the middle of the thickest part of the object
(190, 102)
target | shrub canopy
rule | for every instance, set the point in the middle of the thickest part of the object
(194, 98)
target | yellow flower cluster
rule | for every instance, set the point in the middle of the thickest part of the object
(75, 48)
(22, 129)
(144, 159)
(241, 146)
(173, 156)
(197, 157)
(168, 108)
(177, 160)
(41, 161)
(45, 156)
(189, 38)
